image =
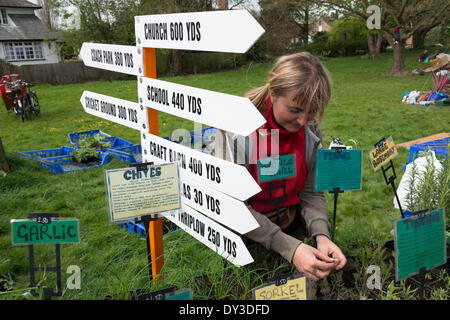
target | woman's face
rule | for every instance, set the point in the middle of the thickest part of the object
(288, 114)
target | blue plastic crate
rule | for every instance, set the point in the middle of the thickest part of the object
(129, 154)
(46, 153)
(438, 146)
(64, 164)
(75, 136)
(133, 227)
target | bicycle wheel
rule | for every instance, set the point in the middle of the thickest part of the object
(19, 108)
(26, 108)
(35, 106)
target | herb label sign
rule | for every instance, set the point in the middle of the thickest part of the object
(118, 58)
(419, 243)
(338, 169)
(185, 294)
(383, 153)
(275, 168)
(120, 111)
(133, 193)
(290, 289)
(56, 231)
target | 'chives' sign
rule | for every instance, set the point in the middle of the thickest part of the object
(25, 232)
(419, 243)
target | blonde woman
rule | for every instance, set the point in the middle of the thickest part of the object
(293, 102)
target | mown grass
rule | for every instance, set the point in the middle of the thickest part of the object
(365, 107)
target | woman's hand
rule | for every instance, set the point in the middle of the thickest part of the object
(327, 247)
(312, 263)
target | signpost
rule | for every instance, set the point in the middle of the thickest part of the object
(120, 111)
(213, 186)
(203, 106)
(118, 58)
(219, 31)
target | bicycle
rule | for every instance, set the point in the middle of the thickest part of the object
(19, 97)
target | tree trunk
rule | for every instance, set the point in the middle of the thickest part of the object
(379, 43)
(398, 68)
(419, 39)
(3, 161)
(177, 62)
(371, 44)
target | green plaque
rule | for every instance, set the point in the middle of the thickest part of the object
(181, 295)
(419, 243)
(274, 168)
(338, 169)
(24, 232)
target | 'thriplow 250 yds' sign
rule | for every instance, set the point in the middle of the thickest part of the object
(213, 235)
(57, 231)
(208, 107)
(120, 111)
(118, 58)
(219, 31)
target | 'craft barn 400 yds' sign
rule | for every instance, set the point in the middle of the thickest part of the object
(204, 106)
(120, 111)
(219, 31)
(213, 172)
(118, 58)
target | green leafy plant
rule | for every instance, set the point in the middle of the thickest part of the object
(431, 188)
(84, 154)
(97, 141)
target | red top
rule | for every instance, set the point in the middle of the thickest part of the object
(397, 29)
(289, 143)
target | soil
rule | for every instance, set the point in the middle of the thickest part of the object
(92, 161)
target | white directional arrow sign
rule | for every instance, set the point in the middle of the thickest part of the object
(213, 235)
(118, 58)
(219, 110)
(220, 31)
(222, 208)
(213, 172)
(120, 111)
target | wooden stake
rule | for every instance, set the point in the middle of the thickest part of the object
(155, 227)
(3, 161)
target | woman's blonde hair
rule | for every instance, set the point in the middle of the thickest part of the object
(301, 72)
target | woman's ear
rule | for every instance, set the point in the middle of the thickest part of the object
(272, 96)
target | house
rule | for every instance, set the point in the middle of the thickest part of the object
(24, 38)
(321, 25)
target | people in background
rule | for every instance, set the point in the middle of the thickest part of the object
(424, 57)
(397, 34)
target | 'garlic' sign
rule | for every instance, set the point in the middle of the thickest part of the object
(213, 190)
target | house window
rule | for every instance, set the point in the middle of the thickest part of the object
(23, 50)
(3, 16)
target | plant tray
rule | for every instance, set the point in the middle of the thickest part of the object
(208, 134)
(139, 228)
(438, 146)
(76, 136)
(129, 154)
(64, 164)
(46, 153)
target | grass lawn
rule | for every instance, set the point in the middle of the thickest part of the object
(365, 107)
